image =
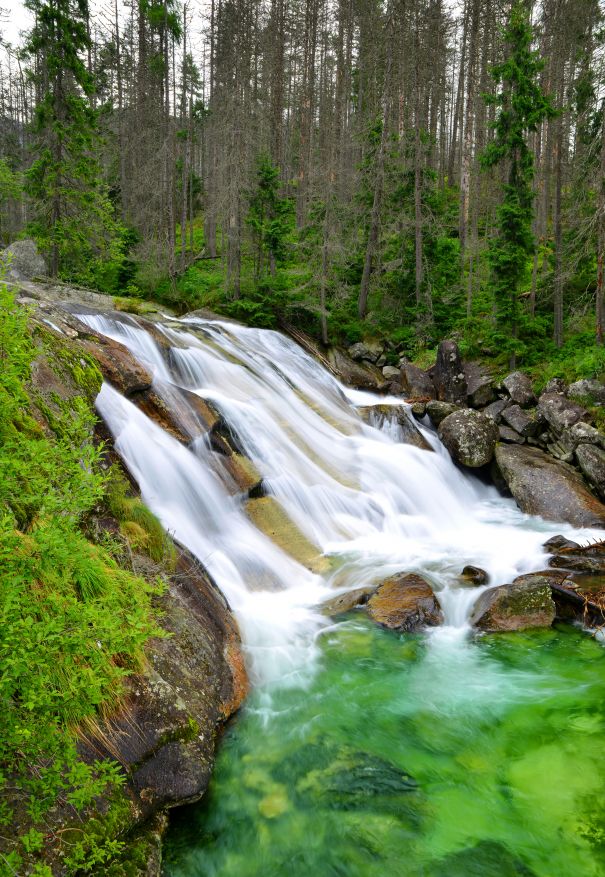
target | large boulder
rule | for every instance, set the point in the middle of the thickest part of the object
(479, 388)
(496, 409)
(559, 412)
(400, 421)
(448, 374)
(23, 260)
(592, 464)
(404, 602)
(592, 390)
(527, 602)
(470, 437)
(416, 383)
(362, 376)
(370, 351)
(543, 486)
(519, 388)
(521, 421)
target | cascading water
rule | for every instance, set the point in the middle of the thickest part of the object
(371, 504)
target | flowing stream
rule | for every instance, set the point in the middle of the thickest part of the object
(361, 752)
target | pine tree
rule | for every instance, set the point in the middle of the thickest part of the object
(74, 218)
(269, 217)
(522, 105)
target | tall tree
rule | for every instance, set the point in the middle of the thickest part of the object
(522, 105)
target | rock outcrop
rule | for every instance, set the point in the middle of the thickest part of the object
(525, 603)
(404, 602)
(470, 437)
(23, 260)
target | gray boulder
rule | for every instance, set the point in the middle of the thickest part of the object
(361, 375)
(371, 351)
(519, 388)
(525, 603)
(438, 411)
(543, 486)
(496, 409)
(592, 463)
(588, 389)
(479, 387)
(507, 434)
(390, 373)
(560, 413)
(521, 421)
(24, 260)
(470, 437)
(448, 374)
(555, 385)
(401, 422)
(415, 382)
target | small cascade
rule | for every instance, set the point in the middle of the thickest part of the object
(369, 504)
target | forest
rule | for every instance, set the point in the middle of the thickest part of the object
(407, 170)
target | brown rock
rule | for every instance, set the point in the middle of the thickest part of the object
(527, 602)
(117, 364)
(416, 383)
(404, 602)
(363, 376)
(474, 575)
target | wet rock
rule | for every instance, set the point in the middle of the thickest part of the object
(117, 364)
(448, 374)
(525, 603)
(165, 731)
(269, 516)
(415, 382)
(509, 435)
(438, 411)
(362, 376)
(401, 425)
(181, 413)
(519, 388)
(560, 413)
(558, 543)
(543, 486)
(578, 562)
(592, 464)
(474, 575)
(390, 373)
(370, 351)
(418, 409)
(24, 260)
(470, 437)
(346, 602)
(404, 602)
(588, 389)
(496, 409)
(555, 385)
(580, 598)
(521, 421)
(479, 387)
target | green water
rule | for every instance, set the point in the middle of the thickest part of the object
(406, 756)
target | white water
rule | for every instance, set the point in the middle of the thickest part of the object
(373, 505)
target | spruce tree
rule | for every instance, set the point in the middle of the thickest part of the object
(521, 107)
(74, 218)
(269, 217)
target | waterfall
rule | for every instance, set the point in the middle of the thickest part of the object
(370, 504)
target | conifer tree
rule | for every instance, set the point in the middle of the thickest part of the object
(269, 217)
(522, 105)
(73, 215)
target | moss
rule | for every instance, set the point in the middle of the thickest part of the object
(133, 306)
(69, 362)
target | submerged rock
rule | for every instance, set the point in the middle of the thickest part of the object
(404, 602)
(519, 388)
(474, 575)
(448, 374)
(346, 602)
(483, 860)
(470, 437)
(543, 486)
(527, 602)
(403, 427)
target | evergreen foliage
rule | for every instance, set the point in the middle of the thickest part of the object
(521, 107)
